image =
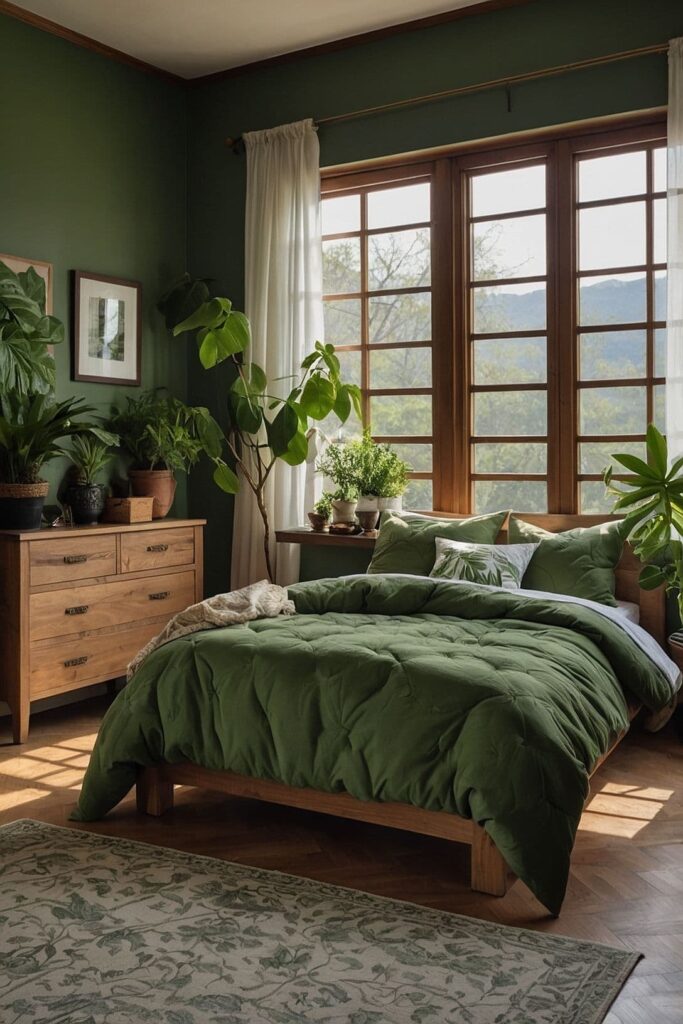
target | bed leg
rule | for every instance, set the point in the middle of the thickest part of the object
(154, 793)
(489, 872)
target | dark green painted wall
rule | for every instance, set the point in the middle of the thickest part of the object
(92, 177)
(507, 42)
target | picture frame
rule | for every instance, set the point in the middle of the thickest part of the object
(20, 264)
(107, 329)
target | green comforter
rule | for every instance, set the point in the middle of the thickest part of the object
(450, 697)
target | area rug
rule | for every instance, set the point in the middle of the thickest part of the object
(95, 929)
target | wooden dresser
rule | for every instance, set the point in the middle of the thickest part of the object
(77, 603)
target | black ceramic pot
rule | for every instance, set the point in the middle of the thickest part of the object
(86, 502)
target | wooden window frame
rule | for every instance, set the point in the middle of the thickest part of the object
(452, 380)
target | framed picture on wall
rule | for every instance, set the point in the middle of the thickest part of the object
(106, 329)
(43, 269)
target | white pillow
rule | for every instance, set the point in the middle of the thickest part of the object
(496, 565)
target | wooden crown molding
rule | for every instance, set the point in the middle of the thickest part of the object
(85, 42)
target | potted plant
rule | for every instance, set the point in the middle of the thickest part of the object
(89, 455)
(320, 516)
(26, 364)
(341, 463)
(31, 427)
(651, 498)
(164, 436)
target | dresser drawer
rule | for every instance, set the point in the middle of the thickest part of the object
(156, 549)
(60, 560)
(72, 663)
(60, 612)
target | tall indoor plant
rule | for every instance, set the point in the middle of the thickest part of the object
(264, 428)
(31, 429)
(651, 499)
(163, 436)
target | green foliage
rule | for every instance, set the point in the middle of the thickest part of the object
(90, 454)
(26, 366)
(364, 467)
(31, 427)
(323, 505)
(161, 432)
(182, 299)
(651, 499)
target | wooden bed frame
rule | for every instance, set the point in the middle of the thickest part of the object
(489, 872)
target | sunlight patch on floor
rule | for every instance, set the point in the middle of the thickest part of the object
(622, 810)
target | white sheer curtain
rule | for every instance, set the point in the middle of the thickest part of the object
(284, 303)
(674, 358)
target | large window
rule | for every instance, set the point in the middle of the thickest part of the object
(503, 312)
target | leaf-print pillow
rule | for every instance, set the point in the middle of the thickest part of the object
(496, 565)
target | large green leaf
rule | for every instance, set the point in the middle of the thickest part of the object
(651, 577)
(209, 314)
(226, 479)
(283, 430)
(657, 450)
(317, 399)
(297, 450)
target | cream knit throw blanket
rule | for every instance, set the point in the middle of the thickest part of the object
(261, 600)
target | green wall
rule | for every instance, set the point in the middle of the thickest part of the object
(477, 48)
(92, 177)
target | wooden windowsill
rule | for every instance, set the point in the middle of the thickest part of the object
(304, 535)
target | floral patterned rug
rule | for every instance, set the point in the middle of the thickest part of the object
(95, 929)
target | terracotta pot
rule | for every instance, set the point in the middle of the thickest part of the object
(159, 484)
(319, 524)
(21, 505)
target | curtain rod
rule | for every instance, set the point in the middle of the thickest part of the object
(494, 83)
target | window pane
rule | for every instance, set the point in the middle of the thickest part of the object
(509, 307)
(341, 266)
(509, 248)
(401, 368)
(333, 430)
(349, 363)
(659, 224)
(613, 410)
(594, 499)
(510, 458)
(400, 318)
(399, 260)
(401, 414)
(619, 299)
(418, 456)
(341, 214)
(613, 354)
(660, 169)
(516, 413)
(505, 191)
(509, 361)
(659, 410)
(606, 177)
(342, 321)
(660, 352)
(407, 204)
(660, 294)
(612, 236)
(521, 495)
(596, 456)
(418, 495)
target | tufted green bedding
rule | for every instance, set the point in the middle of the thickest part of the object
(452, 697)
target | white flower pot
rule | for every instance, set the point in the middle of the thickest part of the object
(343, 511)
(368, 503)
(390, 504)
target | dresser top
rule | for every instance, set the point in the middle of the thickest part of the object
(49, 532)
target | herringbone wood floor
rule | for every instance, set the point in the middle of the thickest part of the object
(626, 886)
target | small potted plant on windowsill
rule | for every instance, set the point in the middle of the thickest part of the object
(85, 496)
(163, 436)
(651, 499)
(319, 518)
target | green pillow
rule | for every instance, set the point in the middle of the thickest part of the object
(407, 543)
(579, 562)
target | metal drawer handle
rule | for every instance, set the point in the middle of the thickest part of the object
(79, 609)
(161, 595)
(157, 547)
(74, 559)
(76, 661)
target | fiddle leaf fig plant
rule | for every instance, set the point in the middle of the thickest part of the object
(651, 498)
(264, 425)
